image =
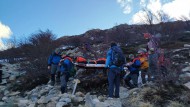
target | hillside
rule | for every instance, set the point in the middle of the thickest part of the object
(25, 80)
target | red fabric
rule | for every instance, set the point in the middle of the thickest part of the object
(101, 59)
(69, 58)
(80, 59)
(135, 59)
(147, 35)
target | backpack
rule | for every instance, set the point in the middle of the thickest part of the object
(117, 57)
(137, 62)
(71, 69)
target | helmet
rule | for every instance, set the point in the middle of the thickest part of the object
(57, 50)
(131, 56)
(140, 52)
(147, 35)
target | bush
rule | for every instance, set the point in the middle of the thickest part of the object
(36, 52)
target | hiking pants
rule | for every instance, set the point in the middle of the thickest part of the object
(64, 80)
(55, 71)
(134, 78)
(153, 65)
(114, 81)
(144, 72)
(0, 76)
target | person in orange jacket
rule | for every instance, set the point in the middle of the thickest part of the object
(143, 57)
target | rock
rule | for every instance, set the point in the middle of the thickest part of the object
(51, 104)
(1, 104)
(4, 81)
(61, 104)
(23, 101)
(14, 93)
(55, 99)
(2, 88)
(112, 103)
(79, 94)
(95, 100)
(34, 98)
(101, 98)
(32, 105)
(43, 100)
(5, 75)
(43, 92)
(88, 101)
(123, 92)
(12, 78)
(42, 105)
(6, 92)
(53, 91)
(183, 76)
(67, 100)
(187, 85)
(4, 98)
(186, 69)
(77, 99)
(65, 95)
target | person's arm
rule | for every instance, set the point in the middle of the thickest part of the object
(108, 59)
(49, 61)
(136, 64)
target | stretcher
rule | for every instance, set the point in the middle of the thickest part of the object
(101, 66)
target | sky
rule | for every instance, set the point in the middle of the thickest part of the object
(21, 18)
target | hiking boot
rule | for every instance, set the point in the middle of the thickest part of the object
(62, 90)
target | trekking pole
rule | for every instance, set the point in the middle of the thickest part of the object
(75, 86)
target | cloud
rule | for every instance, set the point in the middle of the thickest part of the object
(143, 3)
(5, 32)
(154, 6)
(126, 5)
(175, 9)
(139, 18)
(127, 9)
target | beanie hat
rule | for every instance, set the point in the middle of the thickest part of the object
(113, 44)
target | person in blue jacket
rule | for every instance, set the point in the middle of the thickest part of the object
(114, 72)
(133, 67)
(65, 67)
(53, 62)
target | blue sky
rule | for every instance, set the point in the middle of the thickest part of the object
(21, 18)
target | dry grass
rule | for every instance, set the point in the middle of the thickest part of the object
(175, 104)
(166, 95)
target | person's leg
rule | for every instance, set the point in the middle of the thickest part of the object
(0, 76)
(53, 71)
(127, 81)
(134, 78)
(111, 78)
(151, 67)
(58, 74)
(117, 84)
(143, 74)
(63, 83)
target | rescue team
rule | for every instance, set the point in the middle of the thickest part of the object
(61, 66)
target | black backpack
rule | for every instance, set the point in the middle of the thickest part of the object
(117, 58)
